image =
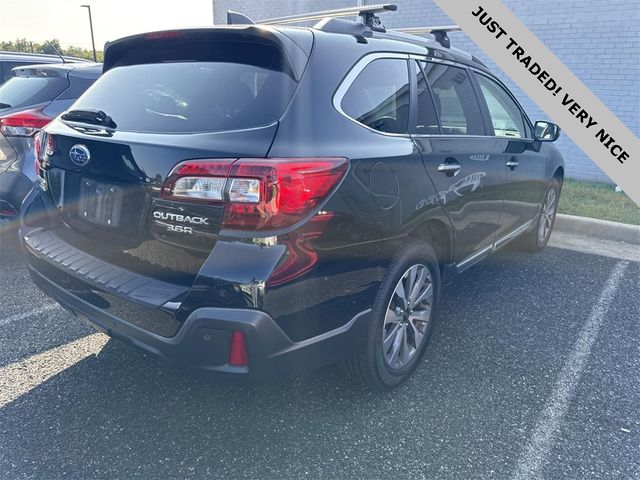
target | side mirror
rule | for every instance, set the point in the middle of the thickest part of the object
(546, 131)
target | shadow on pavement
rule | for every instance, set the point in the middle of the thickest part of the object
(496, 349)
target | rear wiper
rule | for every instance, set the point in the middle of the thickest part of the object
(92, 117)
(4, 105)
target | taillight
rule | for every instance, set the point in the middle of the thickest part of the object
(51, 144)
(198, 181)
(258, 194)
(23, 124)
(40, 141)
(6, 209)
(37, 142)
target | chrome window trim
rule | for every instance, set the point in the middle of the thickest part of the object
(444, 135)
(427, 135)
(361, 64)
(350, 77)
(476, 70)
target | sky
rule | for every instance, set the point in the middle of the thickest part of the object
(40, 20)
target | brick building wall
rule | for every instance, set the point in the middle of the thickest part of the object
(598, 41)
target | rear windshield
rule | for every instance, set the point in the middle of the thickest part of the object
(244, 88)
(26, 91)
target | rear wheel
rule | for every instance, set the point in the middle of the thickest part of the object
(538, 237)
(401, 320)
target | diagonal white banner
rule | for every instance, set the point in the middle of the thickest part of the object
(549, 83)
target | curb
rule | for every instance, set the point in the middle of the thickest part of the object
(603, 229)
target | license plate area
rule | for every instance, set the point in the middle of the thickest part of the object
(100, 203)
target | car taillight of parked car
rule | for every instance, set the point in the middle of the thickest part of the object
(23, 124)
(258, 194)
(44, 144)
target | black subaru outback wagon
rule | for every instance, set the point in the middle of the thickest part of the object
(250, 202)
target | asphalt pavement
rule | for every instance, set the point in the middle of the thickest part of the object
(533, 371)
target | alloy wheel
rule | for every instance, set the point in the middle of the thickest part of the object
(547, 215)
(407, 317)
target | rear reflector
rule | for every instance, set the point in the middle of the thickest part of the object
(23, 124)
(238, 356)
(258, 193)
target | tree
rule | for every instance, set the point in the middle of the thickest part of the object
(52, 47)
(25, 45)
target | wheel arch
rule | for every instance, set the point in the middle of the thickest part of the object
(437, 234)
(559, 174)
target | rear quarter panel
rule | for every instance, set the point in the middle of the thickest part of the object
(328, 270)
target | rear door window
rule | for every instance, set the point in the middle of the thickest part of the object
(455, 100)
(379, 96)
(26, 91)
(247, 88)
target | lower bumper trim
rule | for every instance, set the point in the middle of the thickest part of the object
(201, 345)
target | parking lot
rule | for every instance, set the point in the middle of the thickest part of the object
(533, 372)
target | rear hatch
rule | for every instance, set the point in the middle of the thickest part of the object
(32, 86)
(164, 98)
(22, 99)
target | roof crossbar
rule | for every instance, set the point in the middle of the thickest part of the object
(440, 33)
(367, 12)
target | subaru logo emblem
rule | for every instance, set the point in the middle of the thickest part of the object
(79, 154)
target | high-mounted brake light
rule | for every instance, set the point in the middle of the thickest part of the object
(258, 194)
(23, 124)
(165, 35)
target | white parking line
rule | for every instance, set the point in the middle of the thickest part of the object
(19, 378)
(534, 456)
(22, 316)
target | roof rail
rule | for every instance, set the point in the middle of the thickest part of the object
(367, 12)
(440, 33)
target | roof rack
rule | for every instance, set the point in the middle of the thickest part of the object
(440, 33)
(368, 14)
(330, 22)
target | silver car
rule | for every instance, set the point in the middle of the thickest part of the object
(28, 101)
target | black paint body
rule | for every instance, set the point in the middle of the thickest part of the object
(313, 313)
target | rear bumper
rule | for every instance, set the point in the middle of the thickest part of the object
(201, 346)
(14, 187)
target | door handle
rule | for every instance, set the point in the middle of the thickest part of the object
(450, 167)
(512, 163)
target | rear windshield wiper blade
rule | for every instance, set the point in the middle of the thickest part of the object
(4, 105)
(92, 117)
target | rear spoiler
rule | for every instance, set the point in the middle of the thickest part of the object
(141, 48)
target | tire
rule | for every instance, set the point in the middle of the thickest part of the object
(536, 239)
(375, 366)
